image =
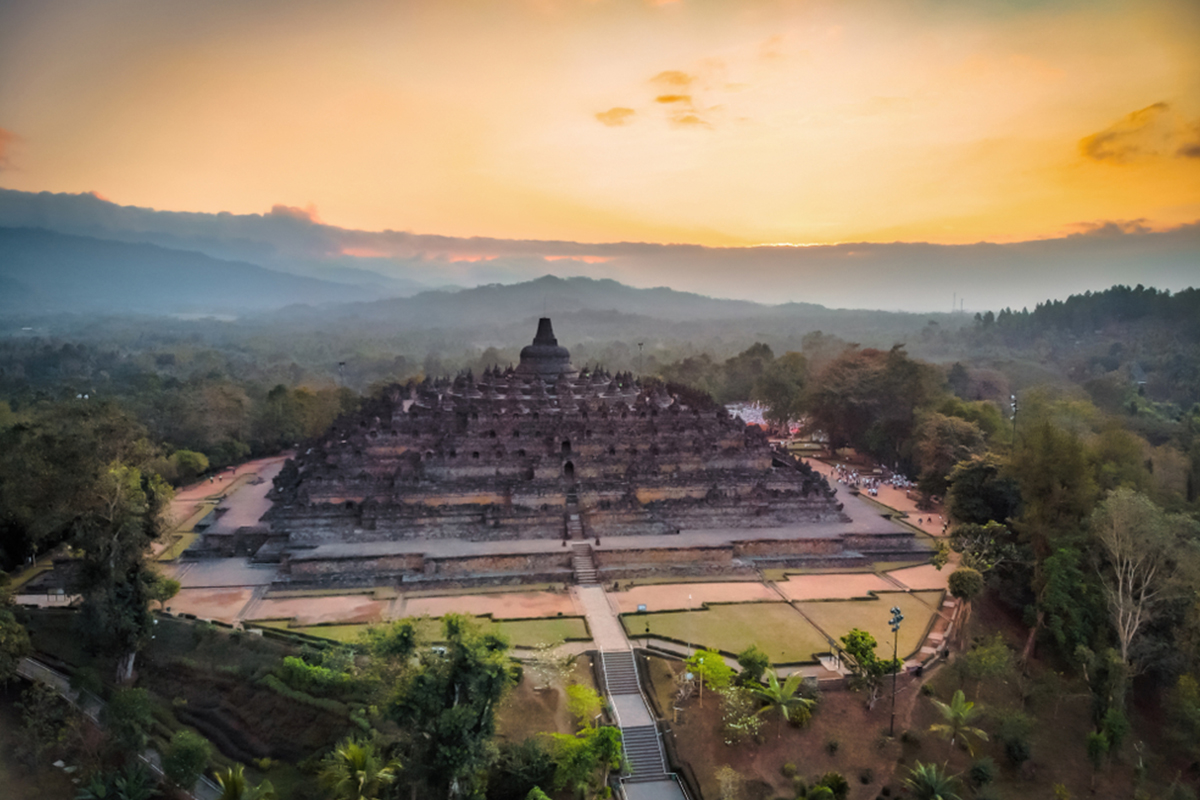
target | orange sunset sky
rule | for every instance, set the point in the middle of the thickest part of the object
(714, 123)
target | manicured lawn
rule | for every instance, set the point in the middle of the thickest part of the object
(837, 617)
(182, 542)
(530, 632)
(775, 627)
(520, 633)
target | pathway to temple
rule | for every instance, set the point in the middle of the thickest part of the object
(649, 778)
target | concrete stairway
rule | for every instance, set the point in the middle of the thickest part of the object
(620, 673)
(575, 526)
(582, 563)
(644, 754)
(643, 750)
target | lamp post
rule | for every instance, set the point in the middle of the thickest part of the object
(1013, 400)
(895, 621)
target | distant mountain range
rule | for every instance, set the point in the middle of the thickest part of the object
(44, 272)
(910, 276)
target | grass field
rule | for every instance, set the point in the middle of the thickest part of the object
(775, 627)
(837, 617)
(182, 542)
(520, 632)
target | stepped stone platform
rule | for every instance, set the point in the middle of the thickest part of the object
(500, 479)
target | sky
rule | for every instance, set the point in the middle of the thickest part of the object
(697, 122)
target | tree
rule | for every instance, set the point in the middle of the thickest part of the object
(584, 704)
(958, 715)
(784, 698)
(536, 794)
(446, 701)
(867, 399)
(14, 644)
(930, 782)
(45, 718)
(129, 716)
(941, 442)
(189, 465)
(160, 589)
(1143, 549)
(754, 662)
(989, 659)
(584, 760)
(965, 583)
(710, 667)
(185, 759)
(519, 768)
(979, 492)
(781, 388)
(987, 547)
(354, 771)
(868, 670)
(126, 512)
(234, 786)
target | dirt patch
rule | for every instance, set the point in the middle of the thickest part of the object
(862, 749)
(670, 597)
(834, 586)
(926, 576)
(220, 604)
(504, 605)
(528, 712)
(316, 610)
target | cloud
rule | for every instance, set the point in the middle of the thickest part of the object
(6, 140)
(689, 121)
(306, 214)
(616, 116)
(1134, 136)
(1191, 148)
(673, 98)
(1112, 228)
(673, 77)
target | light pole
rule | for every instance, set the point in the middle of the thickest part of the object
(895, 621)
(1013, 400)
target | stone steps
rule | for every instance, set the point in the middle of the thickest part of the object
(582, 564)
(620, 672)
(643, 753)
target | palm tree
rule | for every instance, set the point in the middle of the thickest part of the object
(784, 697)
(354, 771)
(930, 782)
(958, 716)
(235, 787)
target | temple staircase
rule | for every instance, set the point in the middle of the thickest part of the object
(583, 564)
(643, 749)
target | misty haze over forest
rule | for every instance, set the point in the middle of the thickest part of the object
(365, 265)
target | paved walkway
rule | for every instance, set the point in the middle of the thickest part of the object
(648, 778)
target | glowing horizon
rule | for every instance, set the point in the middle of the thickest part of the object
(750, 124)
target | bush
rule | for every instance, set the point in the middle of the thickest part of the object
(831, 746)
(185, 758)
(836, 783)
(1013, 731)
(313, 679)
(866, 776)
(788, 770)
(325, 703)
(982, 772)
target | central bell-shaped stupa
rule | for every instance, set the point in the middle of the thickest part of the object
(544, 358)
